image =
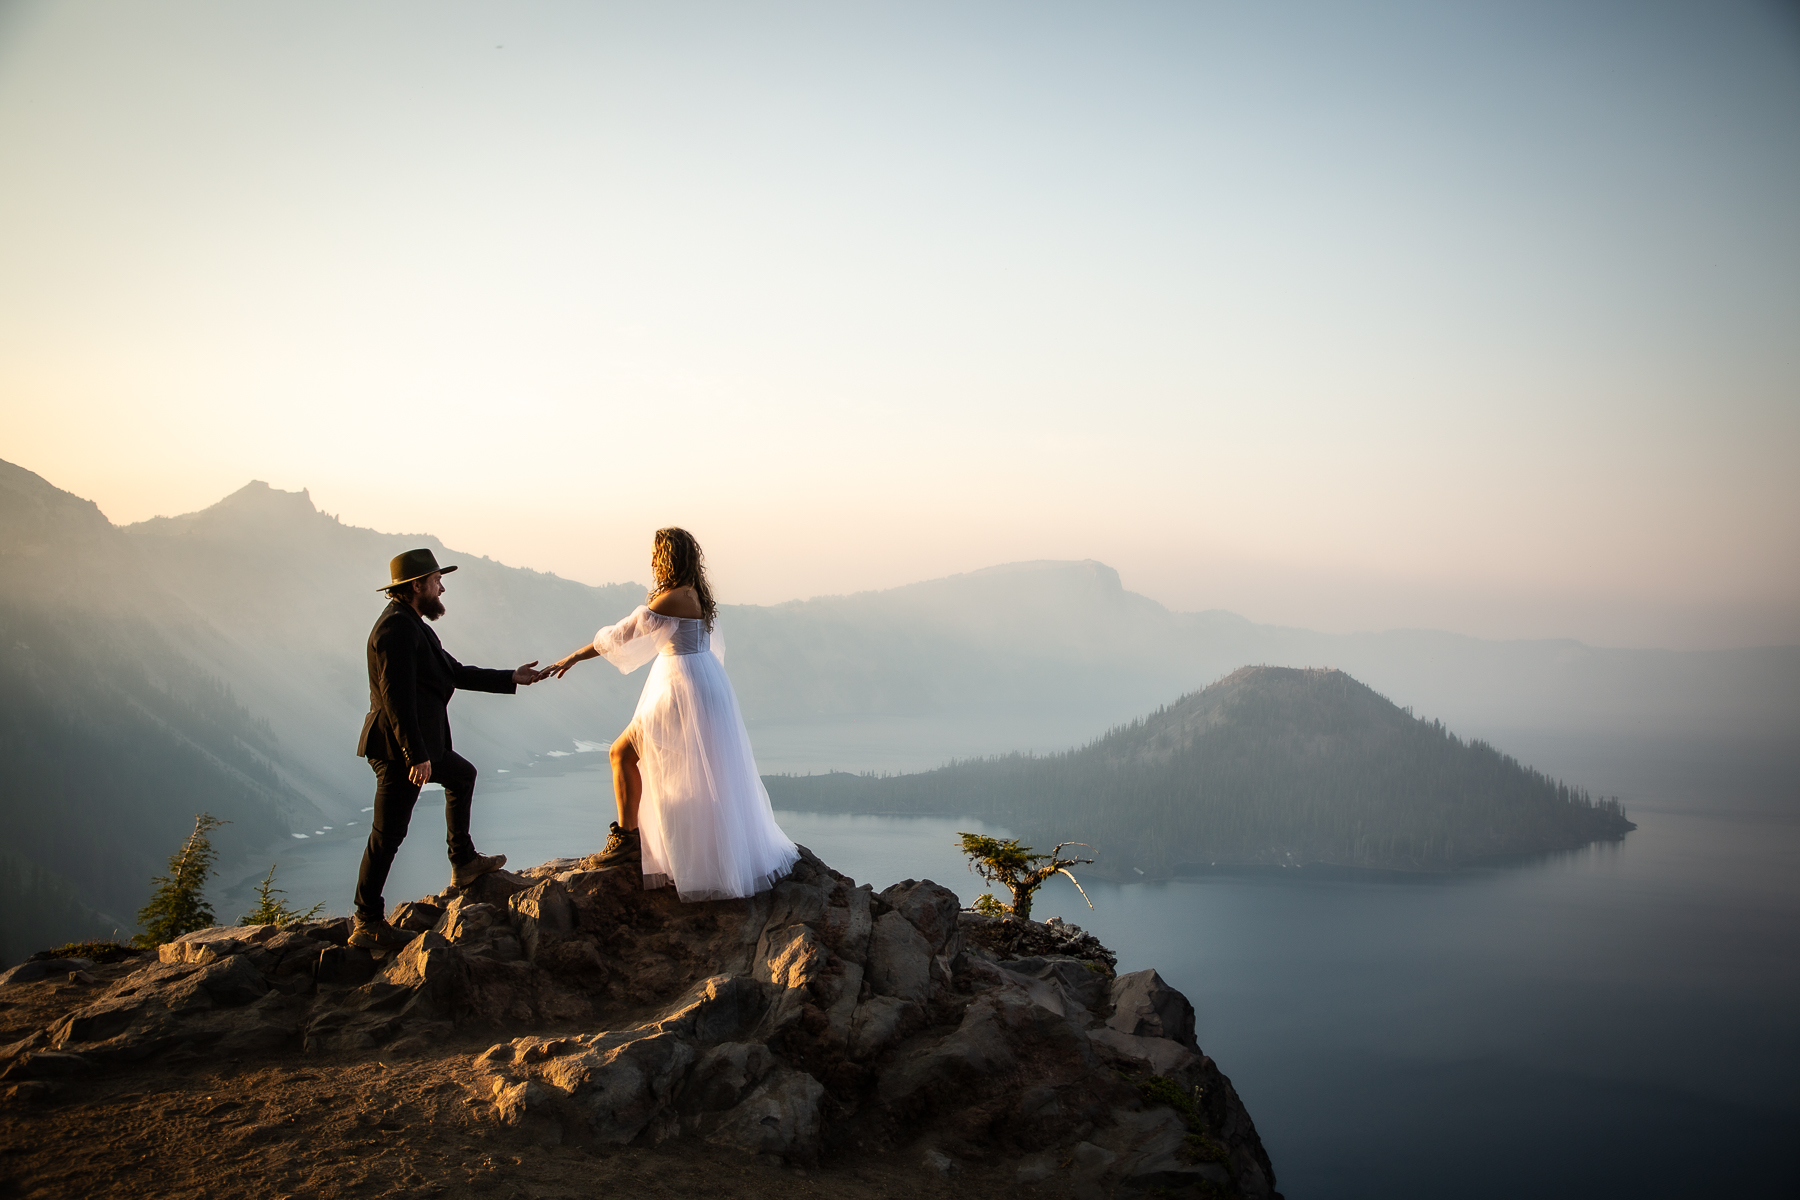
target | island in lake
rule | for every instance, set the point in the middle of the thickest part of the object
(1270, 766)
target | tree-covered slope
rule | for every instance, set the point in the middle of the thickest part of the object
(111, 738)
(1269, 765)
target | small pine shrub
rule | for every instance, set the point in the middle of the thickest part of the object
(1196, 1147)
(179, 904)
(987, 906)
(1160, 1089)
(270, 911)
(97, 952)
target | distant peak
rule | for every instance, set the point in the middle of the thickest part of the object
(257, 494)
(255, 505)
(1086, 567)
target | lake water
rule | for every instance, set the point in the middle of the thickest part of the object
(1622, 1020)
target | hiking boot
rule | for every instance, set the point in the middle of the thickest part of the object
(463, 874)
(377, 934)
(622, 849)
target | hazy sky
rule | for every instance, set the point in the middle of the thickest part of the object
(1482, 316)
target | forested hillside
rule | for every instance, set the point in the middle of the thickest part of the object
(1270, 765)
(110, 738)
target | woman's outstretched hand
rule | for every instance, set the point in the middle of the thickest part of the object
(566, 663)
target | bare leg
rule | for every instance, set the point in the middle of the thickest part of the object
(628, 785)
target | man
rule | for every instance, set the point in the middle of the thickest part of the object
(406, 737)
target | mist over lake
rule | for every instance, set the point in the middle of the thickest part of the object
(1610, 1021)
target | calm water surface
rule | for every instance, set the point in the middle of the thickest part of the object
(1622, 1020)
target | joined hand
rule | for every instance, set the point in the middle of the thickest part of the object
(528, 674)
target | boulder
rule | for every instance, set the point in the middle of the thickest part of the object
(722, 1008)
(879, 1022)
(465, 919)
(220, 941)
(343, 966)
(415, 917)
(950, 1072)
(931, 907)
(230, 982)
(31, 972)
(342, 1029)
(180, 987)
(1078, 983)
(512, 1103)
(848, 921)
(336, 931)
(780, 1117)
(720, 1080)
(1158, 1056)
(1010, 1064)
(623, 1082)
(1145, 1006)
(494, 888)
(427, 977)
(98, 1022)
(899, 959)
(795, 901)
(791, 957)
(545, 910)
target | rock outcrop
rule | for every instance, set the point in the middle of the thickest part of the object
(817, 1020)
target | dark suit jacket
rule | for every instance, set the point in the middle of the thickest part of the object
(411, 679)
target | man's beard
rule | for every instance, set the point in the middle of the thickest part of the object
(430, 607)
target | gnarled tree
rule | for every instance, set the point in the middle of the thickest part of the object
(1019, 869)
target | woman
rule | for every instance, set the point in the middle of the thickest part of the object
(692, 808)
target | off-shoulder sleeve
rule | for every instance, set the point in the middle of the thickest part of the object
(635, 640)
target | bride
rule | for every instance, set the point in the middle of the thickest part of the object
(692, 809)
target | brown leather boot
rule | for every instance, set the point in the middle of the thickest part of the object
(377, 934)
(464, 874)
(622, 849)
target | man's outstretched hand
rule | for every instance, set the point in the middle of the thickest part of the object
(528, 674)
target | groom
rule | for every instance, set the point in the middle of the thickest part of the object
(406, 737)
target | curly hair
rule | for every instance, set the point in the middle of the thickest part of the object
(677, 561)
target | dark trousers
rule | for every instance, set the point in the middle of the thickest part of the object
(395, 796)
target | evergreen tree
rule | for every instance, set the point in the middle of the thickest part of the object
(179, 905)
(270, 911)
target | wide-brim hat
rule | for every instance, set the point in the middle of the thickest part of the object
(414, 564)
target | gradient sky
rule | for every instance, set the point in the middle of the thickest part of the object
(1479, 316)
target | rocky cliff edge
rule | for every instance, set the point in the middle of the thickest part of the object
(818, 1023)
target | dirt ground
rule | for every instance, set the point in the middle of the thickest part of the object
(362, 1124)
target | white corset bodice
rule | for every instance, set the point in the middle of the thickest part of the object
(689, 638)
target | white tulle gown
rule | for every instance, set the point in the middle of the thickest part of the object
(705, 822)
